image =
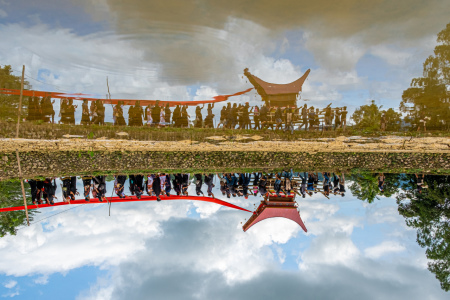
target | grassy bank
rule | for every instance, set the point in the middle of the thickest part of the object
(30, 130)
(45, 164)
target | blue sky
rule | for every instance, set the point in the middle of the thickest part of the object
(84, 254)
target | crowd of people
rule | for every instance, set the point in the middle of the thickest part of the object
(286, 183)
(236, 116)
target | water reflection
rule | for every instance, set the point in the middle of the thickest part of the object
(423, 200)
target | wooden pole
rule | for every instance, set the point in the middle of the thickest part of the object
(20, 104)
(21, 184)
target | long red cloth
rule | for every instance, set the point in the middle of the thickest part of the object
(128, 199)
(31, 93)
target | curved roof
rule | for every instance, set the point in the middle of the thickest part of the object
(273, 88)
(290, 213)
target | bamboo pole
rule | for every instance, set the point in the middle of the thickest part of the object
(20, 103)
(23, 189)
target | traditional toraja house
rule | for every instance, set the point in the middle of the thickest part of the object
(272, 207)
(277, 94)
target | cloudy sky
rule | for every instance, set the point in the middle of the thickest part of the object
(190, 50)
(196, 250)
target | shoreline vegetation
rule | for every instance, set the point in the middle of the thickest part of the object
(37, 130)
(35, 164)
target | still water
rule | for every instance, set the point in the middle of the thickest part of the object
(362, 232)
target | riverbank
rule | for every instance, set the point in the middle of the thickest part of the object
(81, 156)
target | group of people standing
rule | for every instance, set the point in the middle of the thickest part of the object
(236, 116)
(231, 184)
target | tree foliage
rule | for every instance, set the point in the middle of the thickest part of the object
(365, 186)
(11, 195)
(429, 96)
(429, 213)
(9, 103)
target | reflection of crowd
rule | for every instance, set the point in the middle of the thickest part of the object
(236, 116)
(278, 184)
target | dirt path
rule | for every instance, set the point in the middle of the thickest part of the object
(339, 144)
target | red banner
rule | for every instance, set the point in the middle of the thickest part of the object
(128, 199)
(31, 93)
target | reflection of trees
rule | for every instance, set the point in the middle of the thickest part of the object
(11, 195)
(9, 103)
(428, 96)
(429, 213)
(369, 117)
(365, 186)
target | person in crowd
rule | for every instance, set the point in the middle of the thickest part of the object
(311, 118)
(342, 184)
(277, 185)
(209, 120)
(303, 186)
(198, 184)
(49, 190)
(167, 114)
(120, 120)
(156, 186)
(381, 179)
(136, 185)
(198, 117)
(245, 179)
(177, 116)
(148, 115)
(101, 112)
(168, 185)
(34, 191)
(85, 118)
(420, 185)
(223, 116)
(304, 115)
(156, 113)
(184, 122)
(337, 119)
(328, 117)
(149, 184)
(335, 184)
(119, 185)
(63, 111)
(344, 117)
(70, 112)
(255, 111)
(326, 183)
(263, 118)
(87, 184)
(162, 181)
(99, 188)
(289, 116)
(69, 188)
(209, 181)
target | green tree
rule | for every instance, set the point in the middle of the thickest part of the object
(9, 103)
(429, 96)
(11, 195)
(367, 116)
(393, 119)
(429, 213)
(365, 186)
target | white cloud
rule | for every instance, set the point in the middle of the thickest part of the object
(10, 284)
(384, 248)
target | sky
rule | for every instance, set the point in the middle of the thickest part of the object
(197, 250)
(193, 50)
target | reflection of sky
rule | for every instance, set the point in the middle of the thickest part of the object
(188, 249)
